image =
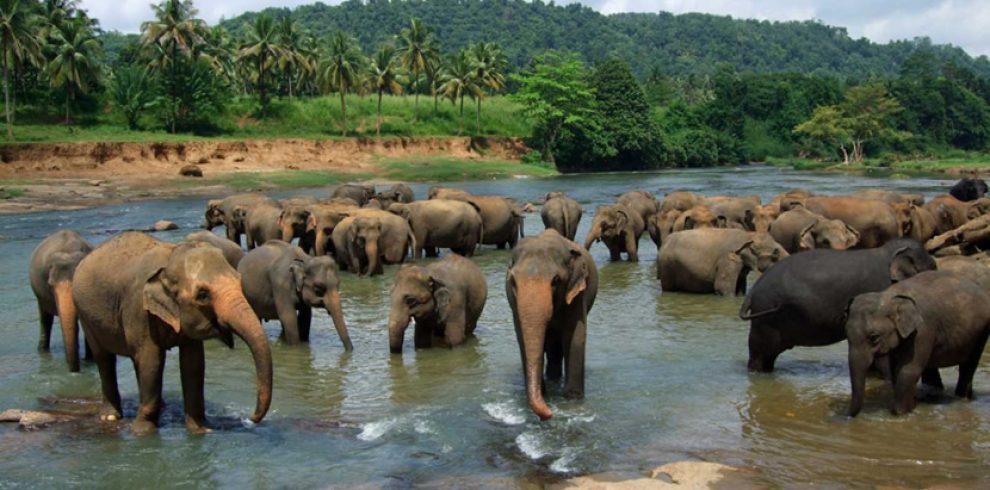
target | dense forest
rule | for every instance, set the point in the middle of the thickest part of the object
(677, 44)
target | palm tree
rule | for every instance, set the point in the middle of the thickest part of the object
(19, 43)
(76, 61)
(218, 52)
(341, 68)
(175, 33)
(383, 73)
(489, 71)
(459, 80)
(263, 49)
(294, 57)
(417, 45)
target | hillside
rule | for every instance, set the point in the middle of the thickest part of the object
(676, 44)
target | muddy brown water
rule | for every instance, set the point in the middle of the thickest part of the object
(666, 381)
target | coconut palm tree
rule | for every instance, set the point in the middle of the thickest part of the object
(294, 60)
(459, 80)
(76, 64)
(417, 45)
(173, 36)
(340, 69)
(262, 49)
(19, 44)
(384, 75)
(489, 71)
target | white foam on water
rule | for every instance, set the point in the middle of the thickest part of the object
(582, 419)
(247, 423)
(504, 412)
(531, 445)
(423, 427)
(375, 430)
(563, 463)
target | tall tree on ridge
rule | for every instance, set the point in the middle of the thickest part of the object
(418, 45)
(19, 43)
(341, 68)
(172, 36)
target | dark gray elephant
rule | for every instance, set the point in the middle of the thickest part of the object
(281, 282)
(968, 189)
(551, 286)
(801, 301)
(715, 260)
(231, 252)
(52, 266)
(798, 230)
(642, 202)
(445, 298)
(360, 193)
(619, 228)
(561, 213)
(232, 212)
(397, 193)
(138, 297)
(443, 223)
(917, 330)
(262, 224)
(367, 239)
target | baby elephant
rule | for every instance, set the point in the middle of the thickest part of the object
(53, 264)
(445, 298)
(280, 281)
(932, 320)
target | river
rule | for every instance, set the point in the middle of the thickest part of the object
(666, 381)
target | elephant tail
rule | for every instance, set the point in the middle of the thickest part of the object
(410, 245)
(746, 314)
(566, 220)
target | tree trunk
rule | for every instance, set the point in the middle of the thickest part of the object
(378, 124)
(175, 109)
(68, 98)
(460, 125)
(845, 154)
(343, 110)
(477, 117)
(6, 93)
(415, 81)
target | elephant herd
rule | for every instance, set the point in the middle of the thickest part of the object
(904, 280)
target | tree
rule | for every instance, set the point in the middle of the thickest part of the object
(131, 93)
(626, 121)
(827, 126)
(172, 38)
(341, 68)
(556, 94)
(295, 59)
(459, 80)
(418, 46)
(489, 71)
(868, 111)
(384, 76)
(262, 48)
(19, 44)
(76, 63)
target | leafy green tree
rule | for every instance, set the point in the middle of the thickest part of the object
(341, 68)
(418, 46)
(625, 117)
(385, 77)
(827, 125)
(19, 44)
(459, 79)
(131, 93)
(263, 50)
(295, 59)
(172, 39)
(868, 111)
(489, 70)
(76, 65)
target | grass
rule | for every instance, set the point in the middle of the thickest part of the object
(427, 169)
(11, 192)
(904, 167)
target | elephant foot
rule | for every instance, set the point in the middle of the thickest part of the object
(42, 347)
(142, 427)
(110, 414)
(194, 426)
(760, 365)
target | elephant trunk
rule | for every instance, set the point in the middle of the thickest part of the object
(321, 243)
(535, 308)
(332, 303)
(398, 322)
(371, 251)
(860, 359)
(593, 234)
(287, 232)
(67, 318)
(234, 312)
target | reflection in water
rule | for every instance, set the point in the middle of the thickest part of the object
(666, 380)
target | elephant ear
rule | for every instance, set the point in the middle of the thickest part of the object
(902, 266)
(623, 218)
(441, 296)
(721, 221)
(852, 230)
(297, 271)
(748, 244)
(689, 222)
(907, 319)
(578, 281)
(159, 302)
(311, 223)
(748, 220)
(807, 239)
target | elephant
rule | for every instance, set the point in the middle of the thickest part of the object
(551, 286)
(439, 192)
(442, 223)
(298, 201)
(679, 201)
(932, 320)
(698, 217)
(51, 269)
(501, 220)
(916, 221)
(374, 203)
(798, 230)
(231, 252)
(262, 224)
(561, 213)
(323, 218)
(968, 189)
(360, 193)
(890, 197)
(951, 213)
(715, 260)
(740, 212)
(281, 282)
(138, 297)
(223, 212)
(397, 193)
(874, 220)
(292, 223)
(445, 298)
(801, 301)
(366, 239)
(619, 228)
(967, 239)
(786, 200)
(974, 267)
(641, 202)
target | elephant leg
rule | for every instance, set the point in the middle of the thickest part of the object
(106, 363)
(288, 316)
(614, 252)
(632, 247)
(454, 329)
(554, 346)
(423, 335)
(964, 386)
(765, 344)
(500, 246)
(89, 350)
(931, 377)
(727, 272)
(905, 386)
(46, 321)
(192, 366)
(149, 364)
(574, 346)
(305, 321)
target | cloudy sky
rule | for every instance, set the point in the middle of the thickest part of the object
(960, 22)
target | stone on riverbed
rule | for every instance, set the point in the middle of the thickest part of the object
(682, 474)
(191, 171)
(28, 419)
(164, 225)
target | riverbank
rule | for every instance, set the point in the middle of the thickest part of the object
(45, 177)
(969, 165)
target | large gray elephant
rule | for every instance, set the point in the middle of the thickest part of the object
(798, 230)
(551, 286)
(231, 252)
(292, 223)
(51, 269)
(323, 218)
(679, 201)
(715, 260)
(642, 202)
(445, 298)
(368, 238)
(360, 193)
(501, 220)
(619, 228)
(281, 282)
(561, 213)
(801, 301)
(874, 220)
(222, 212)
(262, 224)
(138, 297)
(442, 223)
(917, 330)
(916, 221)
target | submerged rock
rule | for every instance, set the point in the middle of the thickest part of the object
(164, 225)
(682, 474)
(28, 419)
(191, 171)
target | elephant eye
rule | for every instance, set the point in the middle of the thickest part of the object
(202, 295)
(411, 301)
(319, 289)
(874, 337)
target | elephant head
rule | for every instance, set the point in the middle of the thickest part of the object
(876, 324)
(760, 252)
(548, 273)
(239, 217)
(978, 208)
(609, 222)
(908, 258)
(415, 294)
(292, 221)
(661, 225)
(61, 269)
(697, 217)
(321, 224)
(828, 233)
(214, 214)
(317, 282)
(760, 217)
(198, 294)
(364, 234)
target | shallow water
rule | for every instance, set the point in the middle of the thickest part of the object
(666, 381)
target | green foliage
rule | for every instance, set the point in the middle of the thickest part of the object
(625, 119)
(432, 169)
(192, 98)
(131, 93)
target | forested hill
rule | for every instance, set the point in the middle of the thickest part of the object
(675, 44)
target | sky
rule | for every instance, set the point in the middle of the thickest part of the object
(959, 22)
